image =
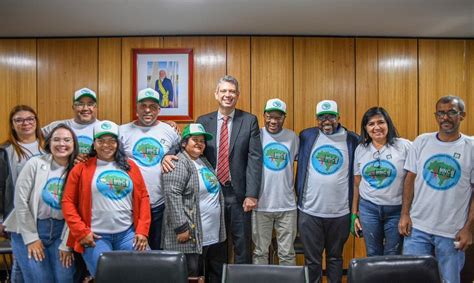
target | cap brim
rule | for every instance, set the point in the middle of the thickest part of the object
(275, 109)
(327, 112)
(207, 136)
(96, 136)
(151, 98)
(86, 95)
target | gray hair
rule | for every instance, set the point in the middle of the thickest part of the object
(228, 79)
(449, 99)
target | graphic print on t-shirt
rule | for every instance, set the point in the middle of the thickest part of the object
(275, 156)
(210, 180)
(114, 184)
(327, 159)
(441, 172)
(52, 192)
(85, 144)
(148, 151)
(379, 173)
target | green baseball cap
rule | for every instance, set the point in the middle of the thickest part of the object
(196, 129)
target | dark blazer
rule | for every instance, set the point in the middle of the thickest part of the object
(245, 151)
(307, 139)
(7, 188)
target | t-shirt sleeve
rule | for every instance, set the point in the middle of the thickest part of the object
(297, 146)
(410, 162)
(357, 161)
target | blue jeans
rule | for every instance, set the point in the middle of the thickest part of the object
(450, 260)
(380, 228)
(122, 241)
(50, 269)
(16, 275)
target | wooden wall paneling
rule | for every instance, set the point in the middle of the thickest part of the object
(110, 79)
(129, 43)
(470, 88)
(209, 66)
(324, 69)
(64, 66)
(442, 71)
(238, 65)
(367, 87)
(398, 83)
(272, 74)
(17, 78)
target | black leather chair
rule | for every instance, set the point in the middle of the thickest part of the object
(6, 252)
(399, 268)
(142, 267)
(252, 273)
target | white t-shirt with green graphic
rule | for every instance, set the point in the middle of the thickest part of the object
(327, 184)
(147, 146)
(209, 204)
(111, 199)
(51, 195)
(444, 174)
(279, 152)
(382, 171)
(84, 132)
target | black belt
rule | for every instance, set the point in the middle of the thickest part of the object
(226, 184)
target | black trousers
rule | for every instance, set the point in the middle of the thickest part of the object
(238, 226)
(318, 234)
(154, 235)
(209, 263)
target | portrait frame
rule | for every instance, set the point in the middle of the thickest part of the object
(170, 73)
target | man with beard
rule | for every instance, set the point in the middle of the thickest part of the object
(85, 111)
(438, 208)
(146, 140)
(324, 182)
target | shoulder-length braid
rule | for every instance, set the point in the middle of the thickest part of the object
(75, 152)
(13, 136)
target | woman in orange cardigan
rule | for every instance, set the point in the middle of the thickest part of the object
(105, 202)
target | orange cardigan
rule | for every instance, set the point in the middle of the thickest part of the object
(77, 202)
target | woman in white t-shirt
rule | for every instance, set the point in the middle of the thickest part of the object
(36, 223)
(24, 141)
(194, 207)
(378, 183)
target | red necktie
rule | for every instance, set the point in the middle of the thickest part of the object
(223, 155)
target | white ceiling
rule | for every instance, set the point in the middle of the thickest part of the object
(404, 18)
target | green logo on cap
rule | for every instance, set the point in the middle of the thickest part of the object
(149, 93)
(201, 128)
(277, 104)
(84, 91)
(326, 105)
(106, 126)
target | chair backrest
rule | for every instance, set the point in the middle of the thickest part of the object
(149, 266)
(253, 273)
(397, 268)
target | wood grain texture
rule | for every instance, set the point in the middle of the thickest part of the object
(17, 78)
(367, 72)
(110, 77)
(398, 83)
(64, 66)
(469, 121)
(272, 74)
(238, 65)
(324, 69)
(129, 43)
(209, 66)
(443, 70)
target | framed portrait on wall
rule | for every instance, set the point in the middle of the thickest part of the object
(170, 73)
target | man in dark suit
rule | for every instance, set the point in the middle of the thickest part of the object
(236, 154)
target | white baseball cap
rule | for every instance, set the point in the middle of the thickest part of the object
(327, 107)
(106, 128)
(148, 93)
(275, 104)
(84, 92)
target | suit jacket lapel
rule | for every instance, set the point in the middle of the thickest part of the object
(213, 129)
(236, 125)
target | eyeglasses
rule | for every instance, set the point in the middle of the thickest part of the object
(28, 120)
(84, 105)
(376, 156)
(65, 140)
(111, 141)
(329, 117)
(451, 113)
(152, 107)
(276, 118)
